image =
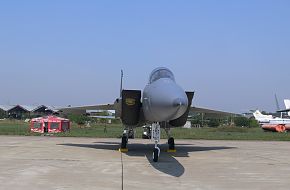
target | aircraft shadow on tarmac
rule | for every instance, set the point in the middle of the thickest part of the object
(167, 163)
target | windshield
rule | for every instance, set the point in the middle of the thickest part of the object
(159, 73)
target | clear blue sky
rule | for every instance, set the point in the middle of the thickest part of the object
(234, 54)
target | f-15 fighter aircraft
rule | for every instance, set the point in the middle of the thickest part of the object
(164, 104)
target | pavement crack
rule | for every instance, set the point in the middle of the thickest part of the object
(122, 165)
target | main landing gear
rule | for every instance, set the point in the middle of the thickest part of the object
(124, 143)
(155, 136)
(171, 144)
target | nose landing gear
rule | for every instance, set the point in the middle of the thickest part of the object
(156, 138)
(156, 154)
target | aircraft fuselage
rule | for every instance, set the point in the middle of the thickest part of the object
(163, 99)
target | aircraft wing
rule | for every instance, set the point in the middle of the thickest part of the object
(286, 110)
(210, 112)
(83, 109)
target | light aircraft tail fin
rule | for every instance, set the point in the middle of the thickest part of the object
(259, 116)
(287, 104)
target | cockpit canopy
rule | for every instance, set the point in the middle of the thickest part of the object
(159, 73)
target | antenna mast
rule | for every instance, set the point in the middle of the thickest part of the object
(121, 86)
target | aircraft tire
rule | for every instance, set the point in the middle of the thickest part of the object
(155, 154)
(171, 143)
(124, 142)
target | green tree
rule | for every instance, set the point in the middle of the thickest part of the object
(242, 122)
(2, 114)
(79, 119)
(253, 123)
(214, 123)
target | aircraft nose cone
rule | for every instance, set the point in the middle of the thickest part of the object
(164, 100)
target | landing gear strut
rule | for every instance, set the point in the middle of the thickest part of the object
(156, 154)
(156, 138)
(124, 142)
(171, 144)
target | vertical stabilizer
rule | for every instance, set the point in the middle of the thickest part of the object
(287, 104)
(261, 117)
(258, 115)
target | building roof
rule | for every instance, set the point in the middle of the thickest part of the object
(6, 107)
(49, 119)
(29, 108)
(52, 108)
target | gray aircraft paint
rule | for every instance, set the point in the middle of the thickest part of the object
(163, 99)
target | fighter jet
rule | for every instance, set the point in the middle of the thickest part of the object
(163, 104)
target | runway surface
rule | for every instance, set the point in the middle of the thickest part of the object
(54, 163)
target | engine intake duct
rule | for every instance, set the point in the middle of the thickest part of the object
(131, 105)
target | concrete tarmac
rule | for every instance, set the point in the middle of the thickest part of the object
(54, 163)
